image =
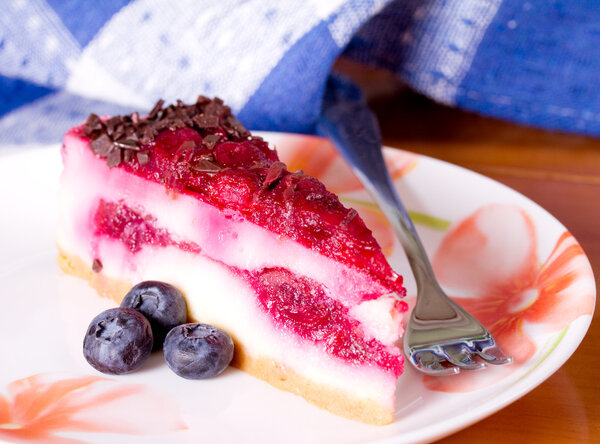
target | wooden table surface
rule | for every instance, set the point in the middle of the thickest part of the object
(559, 171)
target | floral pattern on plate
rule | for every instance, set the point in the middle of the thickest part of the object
(491, 257)
(41, 407)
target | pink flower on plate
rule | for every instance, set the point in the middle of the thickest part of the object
(40, 408)
(491, 260)
(317, 157)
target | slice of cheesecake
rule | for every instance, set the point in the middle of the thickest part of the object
(188, 196)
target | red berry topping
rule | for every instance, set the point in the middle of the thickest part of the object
(202, 150)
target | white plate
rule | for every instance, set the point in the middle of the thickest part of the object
(458, 213)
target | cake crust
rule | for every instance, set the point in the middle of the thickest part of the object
(264, 368)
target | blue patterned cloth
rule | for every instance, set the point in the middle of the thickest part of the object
(536, 61)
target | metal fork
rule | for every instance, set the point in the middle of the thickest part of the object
(441, 337)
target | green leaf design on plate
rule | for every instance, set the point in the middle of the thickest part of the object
(426, 220)
(429, 221)
(547, 350)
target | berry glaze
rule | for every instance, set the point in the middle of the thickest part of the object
(299, 304)
(133, 228)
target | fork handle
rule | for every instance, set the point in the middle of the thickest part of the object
(354, 130)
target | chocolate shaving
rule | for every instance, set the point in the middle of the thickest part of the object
(352, 213)
(216, 108)
(115, 138)
(147, 135)
(112, 123)
(143, 157)
(128, 155)
(118, 132)
(114, 158)
(96, 265)
(235, 127)
(130, 132)
(206, 166)
(128, 144)
(203, 121)
(102, 146)
(92, 125)
(157, 108)
(274, 174)
(161, 125)
(188, 145)
(210, 141)
(176, 124)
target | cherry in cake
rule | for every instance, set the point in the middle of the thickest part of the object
(187, 195)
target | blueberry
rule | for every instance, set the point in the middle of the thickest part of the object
(198, 351)
(118, 341)
(161, 303)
